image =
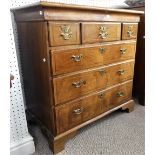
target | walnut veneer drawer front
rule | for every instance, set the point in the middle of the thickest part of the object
(82, 58)
(71, 114)
(72, 86)
(100, 32)
(64, 33)
(129, 31)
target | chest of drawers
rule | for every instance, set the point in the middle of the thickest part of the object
(77, 64)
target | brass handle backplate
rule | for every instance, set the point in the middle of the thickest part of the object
(130, 31)
(102, 71)
(123, 50)
(78, 84)
(78, 111)
(77, 58)
(102, 50)
(66, 32)
(103, 32)
(121, 72)
(119, 94)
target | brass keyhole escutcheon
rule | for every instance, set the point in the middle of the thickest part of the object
(102, 50)
(102, 71)
(100, 95)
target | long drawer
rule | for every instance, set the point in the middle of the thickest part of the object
(69, 60)
(76, 112)
(71, 86)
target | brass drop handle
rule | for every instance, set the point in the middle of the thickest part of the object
(103, 32)
(78, 84)
(121, 72)
(102, 50)
(123, 50)
(77, 58)
(119, 94)
(78, 111)
(130, 31)
(100, 95)
(66, 32)
(102, 71)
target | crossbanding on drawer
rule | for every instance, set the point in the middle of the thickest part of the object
(76, 112)
(129, 31)
(69, 60)
(72, 86)
(94, 32)
(64, 33)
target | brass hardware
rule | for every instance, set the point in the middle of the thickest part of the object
(102, 71)
(78, 84)
(119, 94)
(78, 111)
(130, 31)
(103, 32)
(66, 32)
(77, 58)
(121, 72)
(102, 50)
(123, 50)
(100, 95)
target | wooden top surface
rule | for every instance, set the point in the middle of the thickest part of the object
(73, 6)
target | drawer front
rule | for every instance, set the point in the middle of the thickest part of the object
(76, 59)
(100, 32)
(74, 113)
(64, 33)
(82, 58)
(119, 52)
(73, 86)
(129, 31)
(119, 95)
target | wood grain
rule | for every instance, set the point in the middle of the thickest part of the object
(58, 11)
(36, 73)
(55, 37)
(96, 79)
(92, 56)
(91, 32)
(126, 29)
(91, 106)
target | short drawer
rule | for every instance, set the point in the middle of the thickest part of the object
(69, 60)
(76, 112)
(75, 85)
(64, 33)
(129, 31)
(100, 32)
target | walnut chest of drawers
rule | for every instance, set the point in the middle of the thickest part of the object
(77, 64)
